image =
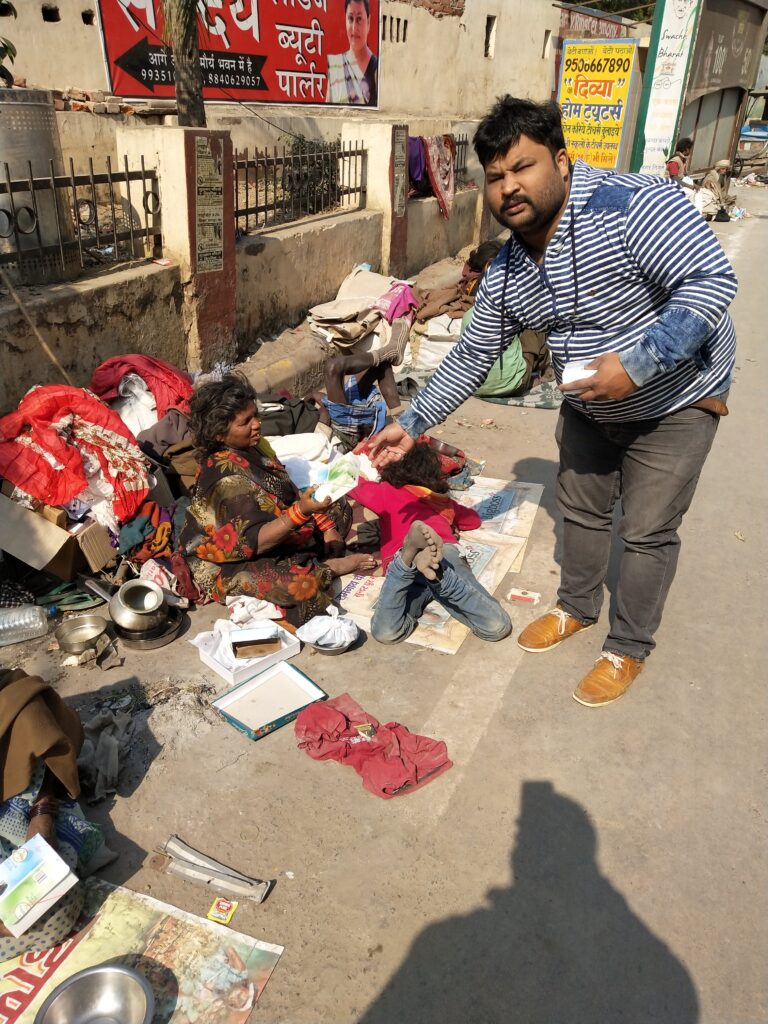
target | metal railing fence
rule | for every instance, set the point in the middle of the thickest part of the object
(460, 163)
(283, 185)
(53, 225)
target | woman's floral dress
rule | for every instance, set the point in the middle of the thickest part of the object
(237, 492)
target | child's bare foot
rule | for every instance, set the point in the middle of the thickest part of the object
(422, 549)
(351, 563)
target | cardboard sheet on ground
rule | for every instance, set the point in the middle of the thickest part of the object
(507, 509)
(200, 971)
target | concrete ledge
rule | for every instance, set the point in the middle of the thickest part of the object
(283, 272)
(431, 237)
(137, 309)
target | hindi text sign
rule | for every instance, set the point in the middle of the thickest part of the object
(594, 93)
(267, 51)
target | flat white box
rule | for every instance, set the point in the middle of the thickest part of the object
(247, 668)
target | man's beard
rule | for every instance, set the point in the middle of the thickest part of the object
(535, 215)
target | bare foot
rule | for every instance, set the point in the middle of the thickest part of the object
(422, 549)
(351, 563)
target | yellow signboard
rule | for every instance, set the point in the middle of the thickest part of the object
(594, 93)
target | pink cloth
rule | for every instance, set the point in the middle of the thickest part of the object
(170, 387)
(399, 301)
(398, 510)
(390, 762)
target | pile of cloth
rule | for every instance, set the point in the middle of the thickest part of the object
(63, 447)
(83, 456)
(364, 309)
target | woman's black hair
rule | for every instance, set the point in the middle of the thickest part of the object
(509, 118)
(213, 407)
(421, 466)
(366, 4)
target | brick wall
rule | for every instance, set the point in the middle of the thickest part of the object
(453, 8)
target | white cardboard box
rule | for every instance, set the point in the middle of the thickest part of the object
(247, 668)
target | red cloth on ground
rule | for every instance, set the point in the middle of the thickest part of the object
(391, 762)
(170, 387)
(64, 421)
(398, 509)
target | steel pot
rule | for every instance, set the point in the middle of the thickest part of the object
(137, 607)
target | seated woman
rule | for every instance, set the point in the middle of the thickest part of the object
(40, 739)
(248, 530)
(420, 525)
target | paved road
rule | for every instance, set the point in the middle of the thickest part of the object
(575, 866)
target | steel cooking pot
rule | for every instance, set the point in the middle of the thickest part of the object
(137, 607)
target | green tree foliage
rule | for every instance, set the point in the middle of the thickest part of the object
(7, 49)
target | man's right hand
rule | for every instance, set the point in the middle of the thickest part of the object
(389, 445)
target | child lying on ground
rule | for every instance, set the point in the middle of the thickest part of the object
(420, 525)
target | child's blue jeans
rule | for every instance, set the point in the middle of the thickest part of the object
(406, 593)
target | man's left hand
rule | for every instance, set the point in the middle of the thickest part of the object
(610, 383)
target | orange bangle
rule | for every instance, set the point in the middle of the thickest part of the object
(324, 523)
(296, 516)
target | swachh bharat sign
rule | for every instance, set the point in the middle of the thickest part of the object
(595, 83)
(266, 51)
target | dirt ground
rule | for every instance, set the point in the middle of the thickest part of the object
(575, 866)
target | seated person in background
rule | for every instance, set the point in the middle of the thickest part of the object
(247, 529)
(357, 407)
(40, 739)
(716, 182)
(677, 165)
(513, 372)
(420, 525)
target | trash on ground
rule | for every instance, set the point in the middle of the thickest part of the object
(268, 701)
(186, 862)
(222, 910)
(523, 596)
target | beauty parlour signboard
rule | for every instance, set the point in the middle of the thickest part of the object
(306, 52)
(595, 86)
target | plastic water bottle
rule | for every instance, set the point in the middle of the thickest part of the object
(26, 622)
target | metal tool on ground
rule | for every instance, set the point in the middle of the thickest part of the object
(197, 867)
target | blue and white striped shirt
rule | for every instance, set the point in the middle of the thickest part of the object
(632, 268)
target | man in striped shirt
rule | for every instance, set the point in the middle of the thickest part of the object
(621, 273)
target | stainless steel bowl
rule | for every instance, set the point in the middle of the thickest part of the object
(77, 634)
(106, 994)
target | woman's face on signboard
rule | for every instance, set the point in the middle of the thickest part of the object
(357, 25)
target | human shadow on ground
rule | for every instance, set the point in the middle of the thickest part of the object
(560, 946)
(543, 471)
(142, 751)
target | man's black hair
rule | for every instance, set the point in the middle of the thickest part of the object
(509, 118)
(684, 145)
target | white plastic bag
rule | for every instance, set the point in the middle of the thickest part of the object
(331, 630)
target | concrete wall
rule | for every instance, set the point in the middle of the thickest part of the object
(438, 70)
(136, 310)
(431, 237)
(281, 273)
(55, 55)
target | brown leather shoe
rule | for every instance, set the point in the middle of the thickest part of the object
(611, 676)
(549, 631)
